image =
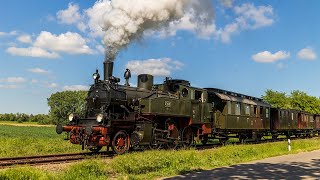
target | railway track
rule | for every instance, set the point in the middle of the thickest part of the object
(62, 158)
(52, 158)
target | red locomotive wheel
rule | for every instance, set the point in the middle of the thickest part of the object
(120, 142)
(187, 136)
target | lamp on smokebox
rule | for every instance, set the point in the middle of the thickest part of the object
(96, 75)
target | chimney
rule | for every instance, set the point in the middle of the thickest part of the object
(107, 68)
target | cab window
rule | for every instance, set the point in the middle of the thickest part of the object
(197, 95)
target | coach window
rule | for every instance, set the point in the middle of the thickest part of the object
(247, 110)
(238, 108)
(229, 107)
(261, 111)
(292, 116)
(267, 112)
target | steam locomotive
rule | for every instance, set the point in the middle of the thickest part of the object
(174, 114)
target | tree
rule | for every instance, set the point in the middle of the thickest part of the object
(303, 102)
(296, 100)
(277, 99)
(64, 103)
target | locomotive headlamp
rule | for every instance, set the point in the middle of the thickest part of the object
(99, 118)
(71, 117)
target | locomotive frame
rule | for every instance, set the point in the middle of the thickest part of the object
(174, 114)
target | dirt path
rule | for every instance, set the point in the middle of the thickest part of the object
(294, 166)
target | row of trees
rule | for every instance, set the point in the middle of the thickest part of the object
(21, 117)
(61, 105)
(295, 100)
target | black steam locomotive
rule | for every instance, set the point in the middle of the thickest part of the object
(174, 114)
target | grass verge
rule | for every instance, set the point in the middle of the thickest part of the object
(152, 164)
(27, 141)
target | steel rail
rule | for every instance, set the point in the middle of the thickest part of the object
(52, 158)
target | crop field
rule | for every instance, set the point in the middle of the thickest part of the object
(30, 140)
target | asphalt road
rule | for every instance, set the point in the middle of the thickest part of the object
(295, 166)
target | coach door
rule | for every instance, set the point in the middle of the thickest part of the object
(299, 120)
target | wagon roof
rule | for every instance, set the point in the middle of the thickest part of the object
(236, 97)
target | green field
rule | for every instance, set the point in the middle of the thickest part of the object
(29, 140)
(22, 141)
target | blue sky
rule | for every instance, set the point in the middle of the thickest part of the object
(247, 47)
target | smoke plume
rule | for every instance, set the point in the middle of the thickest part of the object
(127, 20)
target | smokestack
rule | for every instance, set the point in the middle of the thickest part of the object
(107, 68)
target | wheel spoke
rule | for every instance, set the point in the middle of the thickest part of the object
(120, 142)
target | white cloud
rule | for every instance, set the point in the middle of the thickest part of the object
(76, 88)
(25, 39)
(255, 17)
(249, 17)
(307, 54)
(13, 80)
(71, 43)
(48, 45)
(268, 57)
(38, 71)
(156, 67)
(32, 52)
(52, 85)
(11, 33)
(9, 86)
(71, 16)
